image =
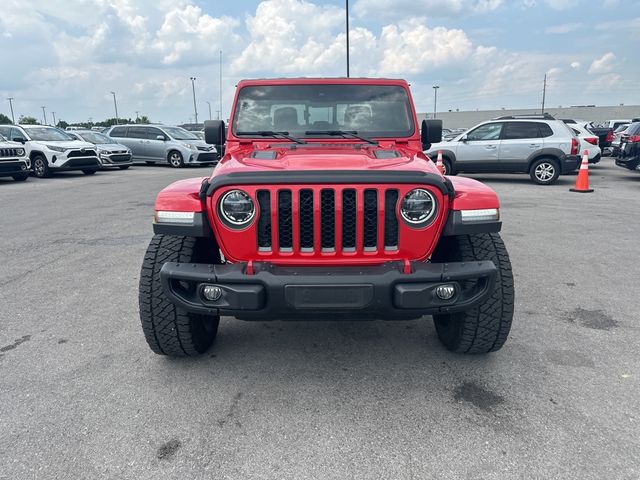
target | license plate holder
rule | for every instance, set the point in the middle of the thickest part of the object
(329, 297)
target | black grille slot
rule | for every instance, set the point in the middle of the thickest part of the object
(285, 230)
(370, 234)
(79, 153)
(390, 220)
(264, 222)
(349, 220)
(306, 220)
(8, 152)
(328, 219)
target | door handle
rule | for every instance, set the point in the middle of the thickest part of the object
(490, 147)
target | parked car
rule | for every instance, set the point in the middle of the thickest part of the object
(163, 144)
(629, 153)
(538, 145)
(588, 142)
(14, 161)
(617, 136)
(110, 153)
(604, 133)
(51, 150)
(334, 220)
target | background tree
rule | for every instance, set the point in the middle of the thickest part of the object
(4, 120)
(28, 120)
(62, 124)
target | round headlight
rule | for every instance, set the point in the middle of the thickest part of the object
(418, 207)
(20, 152)
(237, 208)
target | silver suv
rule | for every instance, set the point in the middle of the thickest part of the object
(538, 145)
(162, 144)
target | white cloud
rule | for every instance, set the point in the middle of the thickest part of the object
(563, 28)
(432, 8)
(575, 65)
(604, 64)
(562, 4)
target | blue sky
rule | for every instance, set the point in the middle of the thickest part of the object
(69, 54)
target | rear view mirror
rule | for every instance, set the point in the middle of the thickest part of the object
(19, 139)
(431, 133)
(160, 137)
(214, 132)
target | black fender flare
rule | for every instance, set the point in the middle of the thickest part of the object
(549, 152)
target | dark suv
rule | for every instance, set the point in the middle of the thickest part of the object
(629, 152)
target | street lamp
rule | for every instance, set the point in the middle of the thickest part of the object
(54, 118)
(195, 109)
(44, 114)
(220, 86)
(115, 105)
(13, 120)
(435, 99)
(209, 103)
(347, 30)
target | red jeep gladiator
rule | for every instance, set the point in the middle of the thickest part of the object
(324, 207)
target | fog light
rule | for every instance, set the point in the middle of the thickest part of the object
(446, 291)
(212, 292)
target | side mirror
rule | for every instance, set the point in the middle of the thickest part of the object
(431, 132)
(161, 137)
(214, 132)
(463, 139)
(20, 139)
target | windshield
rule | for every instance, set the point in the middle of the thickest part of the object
(48, 134)
(621, 128)
(369, 110)
(178, 133)
(97, 138)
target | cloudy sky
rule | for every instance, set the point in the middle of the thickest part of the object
(69, 54)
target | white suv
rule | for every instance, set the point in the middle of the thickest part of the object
(538, 145)
(13, 160)
(51, 150)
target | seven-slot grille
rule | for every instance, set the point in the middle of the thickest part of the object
(8, 152)
(80, 153)
(327, 220)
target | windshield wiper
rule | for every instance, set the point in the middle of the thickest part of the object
(341, 133)
(271, 133)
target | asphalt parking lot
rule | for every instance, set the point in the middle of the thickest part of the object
(82, 396)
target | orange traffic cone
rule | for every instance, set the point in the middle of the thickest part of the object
(582, 182)
(439, 164)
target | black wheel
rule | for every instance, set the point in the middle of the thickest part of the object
(446, 166)
(167, 329)
(484, 328)
(21, 177)
(124, 167)
(544, 171)
(41, 167)
(89, 172)
(175, 159)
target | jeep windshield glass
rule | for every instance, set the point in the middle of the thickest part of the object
(47, 134)
(178, 133)
(370, 110)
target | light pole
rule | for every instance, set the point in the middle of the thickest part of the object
(11, 107)
(54, 118)
(44, 114)
(137, 116)
(195, 109)
(209, 103)
(218, 114)
(435, 99)
(115, 105)
(347, 21)
(220, 86)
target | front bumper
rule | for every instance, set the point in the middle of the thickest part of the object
(263, 291)
(75, 163)
(201, 157)
(13, 167)
(115, 159)
(570, 163)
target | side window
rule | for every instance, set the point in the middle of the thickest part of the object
(152, 133)
(4, 131)
(520, 130)
(16, 133)
(137, 132)
(118, 132)
(488, 131)
(545, 130)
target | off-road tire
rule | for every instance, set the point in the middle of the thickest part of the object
(89, 172)
(167, 329)
(544, 163)
(21, 177)
(485, 327)
(124, 167)
(40, 167)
